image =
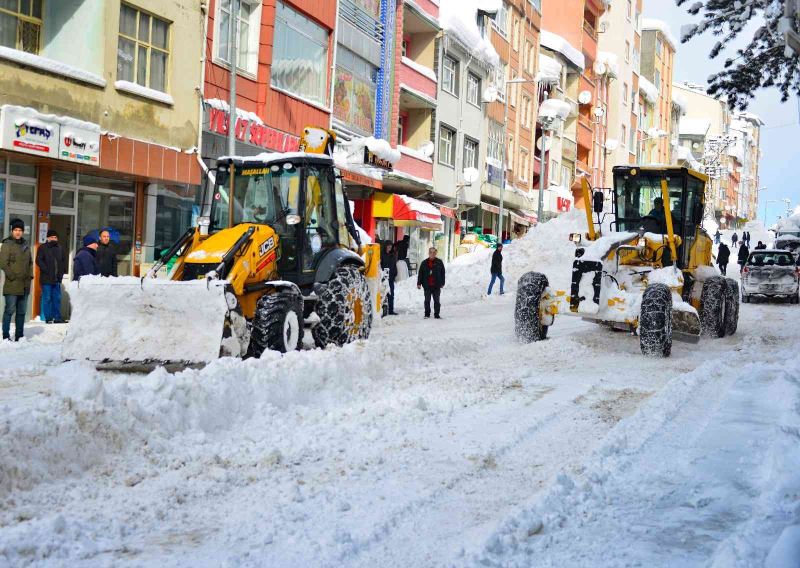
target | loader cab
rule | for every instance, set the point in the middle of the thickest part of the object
(638, 203)
(299, 197)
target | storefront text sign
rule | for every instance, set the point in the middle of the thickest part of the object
(79, 145)
(251, 132)
(372, 160)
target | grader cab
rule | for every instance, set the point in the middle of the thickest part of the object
(651, 273)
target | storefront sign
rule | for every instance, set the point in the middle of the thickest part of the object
(371, 159)
(23, 132)
(79, 145)
(251, 132)
(563, 204)
(495, 175)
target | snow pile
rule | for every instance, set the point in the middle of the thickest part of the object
(458, 17)
(649, 90)
(546, 248)
(34, 115)
(789, 224)
(725, 496)
(549, 70)
(557, 43)
(651, 24)
(554, 108)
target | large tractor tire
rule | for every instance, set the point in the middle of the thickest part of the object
(344, 309)
(731, 306)
(278, 324)
(655, 321)
(527, 319)
(712, 307)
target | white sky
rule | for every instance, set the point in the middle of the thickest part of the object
(780, 134)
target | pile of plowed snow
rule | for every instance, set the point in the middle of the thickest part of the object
(546, 248)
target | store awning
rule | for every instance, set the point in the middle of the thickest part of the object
(519, 219)
(490, 208)
(447, 211)
(358, 178)
(410, 212)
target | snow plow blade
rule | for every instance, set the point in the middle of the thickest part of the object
(133, 324)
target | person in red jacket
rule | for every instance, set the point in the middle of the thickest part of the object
(430, 277)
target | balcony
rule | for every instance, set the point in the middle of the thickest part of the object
(589, 40)
(569, 149)
(418, 78)
(414, 164)
(585, 133)
(429, 7)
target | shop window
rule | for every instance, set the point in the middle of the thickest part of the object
(355, 88)
(22, 192)
(21, 25)
(62, 198)
(450, 75)
(2, 165)
(470, 153)
(473, 89)
(248, 23)
(65, 177)
(100, 210)
(143, 50)
(447, 139)
(106, 183)
(176, 209)
(300, 55)
(22, 170)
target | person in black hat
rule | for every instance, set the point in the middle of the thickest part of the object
(16, 263)
(85, 262)
(52, 262)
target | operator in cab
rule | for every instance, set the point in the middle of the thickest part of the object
(658, 213)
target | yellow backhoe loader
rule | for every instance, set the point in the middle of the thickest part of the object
(272, 251)
(652, 273)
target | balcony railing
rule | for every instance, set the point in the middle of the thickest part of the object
(418, 77)
(415, 166)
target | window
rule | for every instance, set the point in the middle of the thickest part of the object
(524, 163)
(636, 59)
(501, 19)
(625, 93)
(555, 172)
(526, 56)
(400, 130)
(629, 10)
(624, 136)
(404, 47)
(632, 142)
(495, 149)
(566, 177)
(658, 80)
(473, 89)
(143, 49)
(516, 34)
(299, 55)
(627, 50)
(659, 46)
(447, 146)
(21, 24)
(450, 75)
(470, 153)
(510, 153)
(526, 111)
(513, 90)
(248, 22)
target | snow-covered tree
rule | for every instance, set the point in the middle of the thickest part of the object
(764, 63)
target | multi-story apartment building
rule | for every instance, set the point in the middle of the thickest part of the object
(103, 131)
(658, 59)
(574, 26)
(621, 27)
(746, 129)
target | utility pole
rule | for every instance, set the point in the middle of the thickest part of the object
(233, 40)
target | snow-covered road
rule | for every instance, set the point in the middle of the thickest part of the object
(408, 450)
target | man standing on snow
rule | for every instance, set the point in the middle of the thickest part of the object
(497, 269)
(723, 256)
(85, 262)
(389, 262)
(16, 262)
(717, 237)
(744, 253)
(52, 263)
(734, 239)
(430, 278)
(106, 255)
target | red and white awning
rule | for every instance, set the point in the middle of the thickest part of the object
(410, 212)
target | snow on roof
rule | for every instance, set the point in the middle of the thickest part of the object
(51, 66)
(271, 157)
(459, 17)
(557, 43)
(34, 114)
(694, 126)
(554, 108)
(648, 89)
(378, 146)
(663, 27)
(686, 155)
(790, 223)
(680, 102)
(611, 62)
(750, 117)
(549, 70)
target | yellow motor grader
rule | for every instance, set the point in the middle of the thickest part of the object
(651, 274)
(272, 251)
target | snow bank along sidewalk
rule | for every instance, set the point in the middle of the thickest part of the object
(707, 472)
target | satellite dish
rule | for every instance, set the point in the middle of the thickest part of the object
(427, 149)
(612, 144)
(547, 147)
(695, 145)
(471, 175)
(599, 112)
(585, 97)
(600, 68)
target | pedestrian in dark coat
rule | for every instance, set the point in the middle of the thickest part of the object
(389, 262)
(430, 278)
(760, 246)
(52, 262)
(723, 257)
(402, 247)
(16, 262)
(85, 262)
(497, 270)
(734, 239)
(106, 255)
(744, 252)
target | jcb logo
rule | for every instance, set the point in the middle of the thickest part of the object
(266, 246)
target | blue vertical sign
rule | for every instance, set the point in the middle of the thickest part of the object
(385, 89)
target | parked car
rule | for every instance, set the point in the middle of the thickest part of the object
(771, 273)
(788, 240)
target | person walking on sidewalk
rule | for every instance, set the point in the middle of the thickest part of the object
(744, 252)
(734, 239)
(497, 270)
(106, 255)
(16, 262)
(430, 277)
(723, 256)
(52, 262)
(389, 262)
(85, 262)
